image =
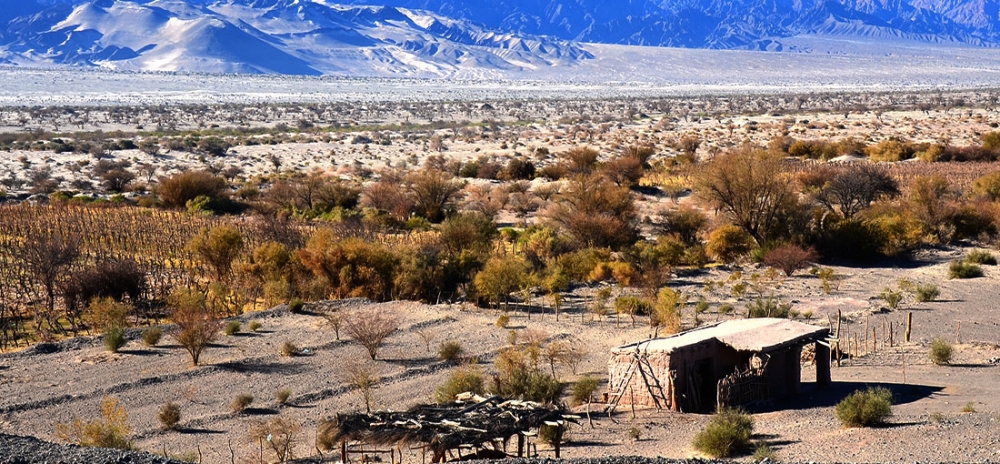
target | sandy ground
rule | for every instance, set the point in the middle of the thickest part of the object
(39, 390)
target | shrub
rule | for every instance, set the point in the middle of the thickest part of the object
(583, 390)
(632, 306)
(450, 351)
(941, 351)
(364, 378)
(519, 376)
(241, 403)
(114, 339)
(959, 269)
(981, 257)
(151, 335)
(467, 378)
(635, 433)
(281, 396)
(177, 190)
(111, 431)
(197, 325)
(789, 258)
(865, 408)
(218, 247)
(548, 434)
(289, 349)
(295, 306)
(233, 327)
(170, 415)
(280, 434)
(926, 292)
(768, 307)
(763, 453)
(727, 432)
(728, 243)
(503, 321)
(891, 298)
(969, 407)
(254, 326)
(370, 328)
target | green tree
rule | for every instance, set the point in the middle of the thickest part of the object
(218, 247)
(502, 276)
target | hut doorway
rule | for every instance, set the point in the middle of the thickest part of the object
(706, 385)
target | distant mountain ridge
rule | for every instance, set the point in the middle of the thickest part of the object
(458, 38)
(267, 36)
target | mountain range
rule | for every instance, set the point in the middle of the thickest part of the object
(457, 38)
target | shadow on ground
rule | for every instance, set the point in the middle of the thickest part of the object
(814, 397)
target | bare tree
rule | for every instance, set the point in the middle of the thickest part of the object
(856, 187)
(364, 378)
(197, 324)
(370, 327)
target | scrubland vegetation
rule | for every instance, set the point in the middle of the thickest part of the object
(589, 218)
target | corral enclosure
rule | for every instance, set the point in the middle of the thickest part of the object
(697, 370)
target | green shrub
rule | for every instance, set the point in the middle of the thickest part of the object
(111, 431)
(981, 257)
(959, 269)
(170, 415)
(254, 326)
(114, 339)
(547, 434)
(768, 307)
(763, 453)
(727, 432)
(969, 407)
(728, 243)
(281, 396)
(241, 403)
(865, 408)
(891, 298)
(503, 321)
(635, 433)
(941, 351)
(467, 378)
(450, 351)
(583, 390)
(519, 376)
(233, 327)
(295, 306)
(152, 335)
(926, 292)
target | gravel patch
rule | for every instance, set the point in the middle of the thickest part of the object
(28, 450)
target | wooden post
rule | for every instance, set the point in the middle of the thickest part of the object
(520, 445)
(343, 451)
(558, 439)
(959, 331)
(909, 327)
(839, 336)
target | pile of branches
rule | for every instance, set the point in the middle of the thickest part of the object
(470, 420)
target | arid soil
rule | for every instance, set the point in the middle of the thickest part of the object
(54, 383)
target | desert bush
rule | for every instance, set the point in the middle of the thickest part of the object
(281, 396)
(289, 349)
(517, 169)
(433, 193)
(254, 326)
(865, 408)
(197, 324)
(959, 269)
(114, 339)
(890, 150)
(548, 434)
(232, 328)
(583, 389)
(941, 351)
(987, 186)
(353, 267)
(280, 434)
(503, 321)
(295, 305)
(749, 186)
(112, 281)
(450, 351)
(169, 415)
(624, 171)
(969, 407)
(151, 335)
(981, 257)
(768, 306)
(593, 212)
(855, 187)
(727, 432)
(364, 378)
(632, 306)
(465, 378)
(177, 190)
(110, 431)
(763, 453)
(241, 403)
(520, 376)
(892, 298)
(789, 258)
(686, 223)
(501, 276)
(728, 243)
(370, 327)
(926, 292)
(218, 247)
(106, 313)
(471, 231)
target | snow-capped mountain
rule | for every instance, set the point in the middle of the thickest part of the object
(730, 24)
(266, 36)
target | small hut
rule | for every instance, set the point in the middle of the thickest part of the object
(732, 363)
(482, 426)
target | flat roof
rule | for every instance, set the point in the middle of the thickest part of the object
(760, 334)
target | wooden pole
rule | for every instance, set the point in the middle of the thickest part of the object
(558, 439)
(343, 451)
(839, 335)
(909, 327)
(959, 331)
